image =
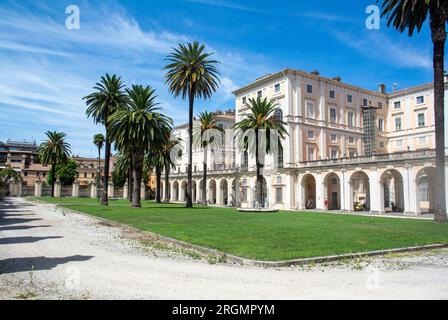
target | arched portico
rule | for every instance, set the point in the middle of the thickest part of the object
(183, 191)
(308, 192)
(212, 192)
(332, 191)
(223, 192)
(175, 191)
(193, 191)
(392, 191)
(360, 191)
(425, 190)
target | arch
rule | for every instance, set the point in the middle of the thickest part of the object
(309, 191)
(360, 191)
(176, 191)
(201, 190)
(392, 189)
(425, 190)
(183, 191)
(212, 192)
(193, 191)
(224, 192)
(332, 191)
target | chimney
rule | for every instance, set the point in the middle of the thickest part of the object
(382, 88)
(338, 79)
(315, 72)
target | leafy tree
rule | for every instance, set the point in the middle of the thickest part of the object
(108, 97)
(411, 15)
(191, 74)
(55, 150)
(261, 120)
(67, 173)
(8, 174)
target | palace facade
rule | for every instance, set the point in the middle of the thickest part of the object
(347, 148)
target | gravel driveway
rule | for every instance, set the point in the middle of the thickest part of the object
(46, 254)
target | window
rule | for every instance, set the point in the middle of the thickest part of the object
(381, 144)
(422, 140)
(279, 195)
(349, 98)
(311, 154)
(364, 102)
(334, 153)
(278, 115)
(310, 110)
(397, 124)
(25, 173)
(244, 100)
(351, 119)
(351, 140)
(381, 124)
(420, 99)
(85, 174)
(352, 153)
(93, 175)
(333, 137)
(380, 105)
(278, 180)
(277, 88)
(310, 134)
(397, 105)
(309, 88)
(399, 143)
(332, 115)
(332, 94)
(421, 119)
(260, 94)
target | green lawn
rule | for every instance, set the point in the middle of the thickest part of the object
(281, 236)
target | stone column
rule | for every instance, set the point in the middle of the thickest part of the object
(320, 205)
(125, 190)
(219, 193)
(410, 191)
(376, 193)
(57, 188)
(143, 191)
(110, 190)
(75, 189)
(93, 193)
(38, 188)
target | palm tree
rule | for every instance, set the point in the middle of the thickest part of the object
(191, 74)
(207, 134)
(167, 150)
(109, 96)
(155, 163)
(135, 127)
(98, 141)
(260, 121)
(55, 150)
(123, 166)
(411, 15)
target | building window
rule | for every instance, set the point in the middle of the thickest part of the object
(333, 115)
(381, 144)
(351, 140)
(334, 153)
(380, 105)
(333, 137)
(279, 195)
(332, 94)
(25, 173)
(422, 140)
(93, 175)
(311, 154)
(420, 99)
(352, 153)
(310, 110)
(277, 88)
(381, 124)
(364, 102)
(397, 124)
(399, 143)
(309, 88)
(421, 119)
(244, 100)
(397, 105)
(278, 115)
(310, 134)
(349, 98)
(260, 94)
(351, 119)
(85, 174)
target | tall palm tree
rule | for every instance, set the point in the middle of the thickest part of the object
(261, 121)
(411, 15)
(98, 141)
(135, 127)
(191, 74)
(155, 164)
(108, 97)
(207, 134)
(55, 150)
(123, 166)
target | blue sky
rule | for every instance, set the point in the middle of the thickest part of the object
(45, 69)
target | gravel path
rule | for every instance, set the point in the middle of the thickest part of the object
(46, 254)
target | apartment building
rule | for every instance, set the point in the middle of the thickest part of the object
(347, 148)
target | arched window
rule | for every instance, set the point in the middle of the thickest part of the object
(279, 155)
(279, 180)
(278, 114)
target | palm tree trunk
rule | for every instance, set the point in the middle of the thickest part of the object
(204, 178)
(259, 182)
(167, 183)
(138, 174)
(105, 198)
(438, 34)
(130, 184)
(98, 175)
(158, 183)
(53, 175)
(190, 150)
